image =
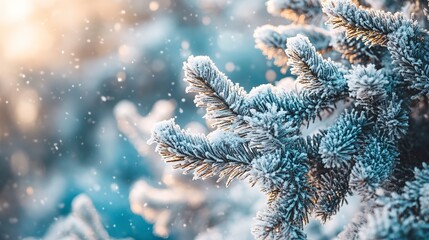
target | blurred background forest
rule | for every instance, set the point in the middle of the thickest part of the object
(66, 64)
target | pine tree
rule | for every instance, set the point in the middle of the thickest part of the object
(377, 61)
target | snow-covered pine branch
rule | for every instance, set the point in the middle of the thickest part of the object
(260, 135)
(298, 107)
(321, 77)
(223, 100)
(355, 50)
(295, 9)
(374, 166)
(224, 155)
(402, 215)
(372, 26)
(268, 131)
(409, 47)
(271, 225)
(291, 201)
(406, 41)
(271, 40)
(368, 86)
(332, 190)
(393, 118)
(341, 141)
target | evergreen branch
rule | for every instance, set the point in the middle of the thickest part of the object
(406, 41)
(332, 186)
(413, 195)
(297, 107)
(404, 215)
(269, 131)
(269, 170)
(367, 85)
(259, 137)
(409, 46)
(392, 118)
(294, 9)
(286, 176)
(372, 26)
(276, 170)
(321, 77)
(310, 145)
(271, 225)
(271, 40)
(285, 217)
(224, 101)
(374, 166)
(341, 142)
(332, 190)
(204, 156)
(355, 50)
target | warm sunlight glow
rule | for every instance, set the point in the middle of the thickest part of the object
(16, 10)
(27, 109)
(26, 42)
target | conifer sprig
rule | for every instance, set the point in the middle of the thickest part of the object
(223, 100)
(372, 26)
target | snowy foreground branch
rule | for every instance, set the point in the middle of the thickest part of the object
(371, 148)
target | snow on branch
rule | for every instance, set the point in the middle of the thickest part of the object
(272, 225)
(407, 42)
(367, 84)
(271, 40)
(294, 9)
(322, 77)
(409, 47)
(223, 100)
(392, 118)
(372, 26)
(403, 215)
(204, 156)
(373, 166)
(341, 141)
(368, 143)
(292, 197)
(268, 131)
(355, 50)
(296, 107)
